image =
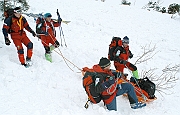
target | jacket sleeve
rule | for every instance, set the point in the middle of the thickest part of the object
(6, 27)
(56, 24)
(26, 25)
(98, 83)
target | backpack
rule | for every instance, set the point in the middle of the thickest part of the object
(89, 86)
(8, 13)
(116, 41)
(147, 86)
(39, 25)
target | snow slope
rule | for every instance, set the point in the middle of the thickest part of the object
(54, 89)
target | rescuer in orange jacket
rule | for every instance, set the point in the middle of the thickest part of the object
(15, 27)
(122, 54)
(45, 28)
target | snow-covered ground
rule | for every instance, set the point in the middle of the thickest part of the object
(54, 89)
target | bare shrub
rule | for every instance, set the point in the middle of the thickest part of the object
(147, 54)
(164, 81)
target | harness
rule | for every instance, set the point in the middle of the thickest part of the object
(20, 22)
(51, 26)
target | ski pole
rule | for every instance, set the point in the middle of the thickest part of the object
(60, 35)
(60, 29)
(63, 36)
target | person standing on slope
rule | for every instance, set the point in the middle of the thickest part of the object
(122, 54)
(45, 28)
(15, 27)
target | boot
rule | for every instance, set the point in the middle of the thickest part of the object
(25, 65)
(137, 105)
(52, 47)
(28, 61)
(135, 74)
(48, 57)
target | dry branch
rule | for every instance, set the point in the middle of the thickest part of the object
(148, 54)
(164, 82)
(174, 68)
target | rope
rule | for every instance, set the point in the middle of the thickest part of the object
(140, 92)
(61, 55)
(64, 58)
(114, 85)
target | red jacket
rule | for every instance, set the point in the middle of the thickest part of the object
(103, 75)
(15, 26)
(48, 26)
(124, 55)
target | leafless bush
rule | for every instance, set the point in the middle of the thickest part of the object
(164, 81)
(150, 74)
(147, 54)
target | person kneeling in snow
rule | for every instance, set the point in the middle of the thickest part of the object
(106, 84)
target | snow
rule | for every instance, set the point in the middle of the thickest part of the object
(54, 89)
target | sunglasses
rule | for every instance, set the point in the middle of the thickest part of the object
(17, 11)
(125, 41)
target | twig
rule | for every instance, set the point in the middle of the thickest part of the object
(147, 55)
(174, 68)
(164, 82)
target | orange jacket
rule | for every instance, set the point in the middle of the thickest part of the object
(48, 27)
(107, 98)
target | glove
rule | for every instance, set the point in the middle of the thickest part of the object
(33, 33)
(59, 19)
(56, 44)
(130, 54)
(46, 33)
(108, 83)
(7, 41)
(123, 62)
(133, 80)
(119, 74)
